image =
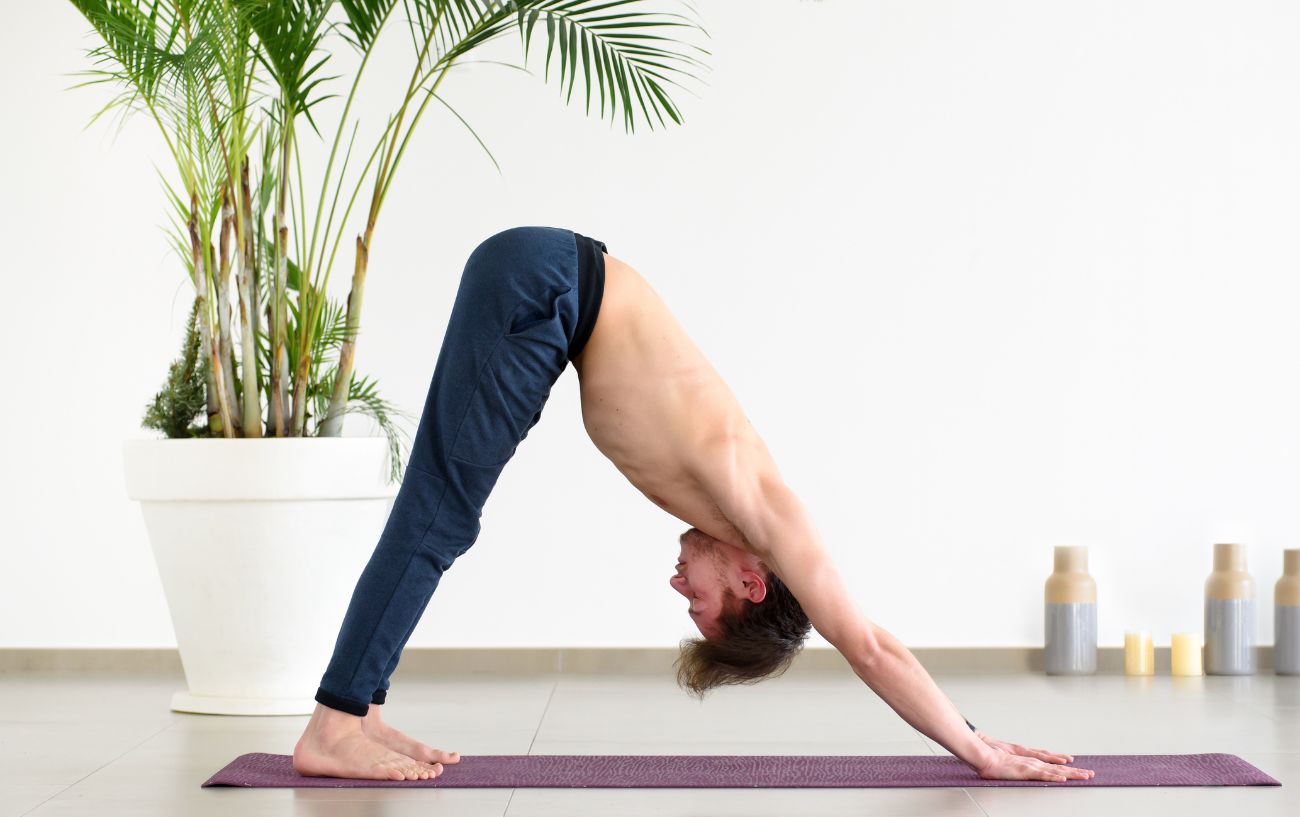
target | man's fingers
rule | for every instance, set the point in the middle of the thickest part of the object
(1057, 773)
(1040, 754)
(1023, 767)
(1050, 757)
(1069, 772)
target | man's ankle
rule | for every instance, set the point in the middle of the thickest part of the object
(335, 721)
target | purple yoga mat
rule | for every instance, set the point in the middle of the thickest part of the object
(262, 770)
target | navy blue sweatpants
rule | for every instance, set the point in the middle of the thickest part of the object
(514, 327)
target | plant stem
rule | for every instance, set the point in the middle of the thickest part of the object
(332, 424)
(215, 427)
(279, 354)
(282, 322)
(306, 310)
(252, 416)
(218, 416)
(224, 343)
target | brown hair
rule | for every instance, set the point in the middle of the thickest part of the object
(758, 640)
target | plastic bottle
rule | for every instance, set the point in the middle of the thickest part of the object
(1286, 616)
(1070, 617)
(1229, 614)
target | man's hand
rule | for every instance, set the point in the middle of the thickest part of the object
(1015, 762)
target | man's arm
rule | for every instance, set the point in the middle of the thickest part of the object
(750, 492)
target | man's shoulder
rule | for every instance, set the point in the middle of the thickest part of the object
(734, 469)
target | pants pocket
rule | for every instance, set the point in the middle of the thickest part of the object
(507, 402)
(513, 387)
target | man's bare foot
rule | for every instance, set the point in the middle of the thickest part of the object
(334, 745)
(377, 730)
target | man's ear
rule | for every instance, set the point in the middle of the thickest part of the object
(755, 586)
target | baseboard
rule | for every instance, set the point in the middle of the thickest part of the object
(433, 661)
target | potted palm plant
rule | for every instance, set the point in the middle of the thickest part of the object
(261, 514)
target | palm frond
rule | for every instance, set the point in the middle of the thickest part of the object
(289, 33)
(471, 130)
(142, 39)
(363, 398)
(624, 52)
(364, 20)
(334, 328)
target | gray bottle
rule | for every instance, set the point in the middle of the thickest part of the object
(1229, 614)
(1070, 616)
(1286, 616)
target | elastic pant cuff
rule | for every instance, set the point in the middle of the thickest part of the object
(360, 709)
(379, 697)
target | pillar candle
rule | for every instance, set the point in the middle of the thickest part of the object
(1139, 654)
(1185, 654)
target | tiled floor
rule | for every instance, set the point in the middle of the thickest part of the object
(102, 745)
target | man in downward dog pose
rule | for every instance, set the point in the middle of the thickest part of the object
(752, 566)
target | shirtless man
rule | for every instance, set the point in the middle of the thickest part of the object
(753, 567)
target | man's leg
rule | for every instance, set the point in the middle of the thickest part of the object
(504, 348)
(381, 694)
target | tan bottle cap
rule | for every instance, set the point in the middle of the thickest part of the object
(1229, 579)
(1071, 558)
(1229, 557)
(1070, 582)
(1287, 589)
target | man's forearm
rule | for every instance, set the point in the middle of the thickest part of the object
(778, 528)
(898, 678)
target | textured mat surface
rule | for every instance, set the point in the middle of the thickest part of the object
(260, 770)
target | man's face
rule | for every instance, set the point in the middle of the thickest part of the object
(711, 574)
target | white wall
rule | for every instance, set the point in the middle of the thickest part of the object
(988, 277)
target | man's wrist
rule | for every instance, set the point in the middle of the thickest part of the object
(986, 754)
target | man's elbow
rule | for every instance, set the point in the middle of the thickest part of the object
(866, 648)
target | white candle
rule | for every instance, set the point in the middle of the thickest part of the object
(1139, 654)
(1185, 654)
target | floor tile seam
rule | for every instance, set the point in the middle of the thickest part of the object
(971, 797)
(102, 766)
(545, 709)
(47, 799)
(554, 685)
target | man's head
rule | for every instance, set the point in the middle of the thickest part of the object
(752, 624)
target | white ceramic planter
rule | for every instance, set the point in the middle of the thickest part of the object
(259, 543)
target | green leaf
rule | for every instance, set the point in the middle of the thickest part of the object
(365, 18)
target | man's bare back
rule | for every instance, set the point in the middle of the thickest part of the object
(655, 406)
